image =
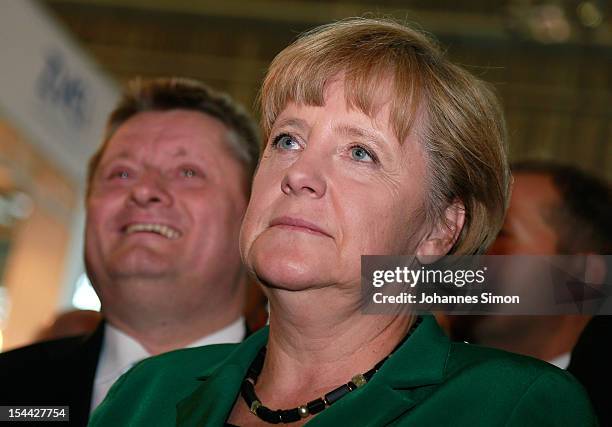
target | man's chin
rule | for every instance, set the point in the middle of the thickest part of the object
(141, 274)
(149, 267)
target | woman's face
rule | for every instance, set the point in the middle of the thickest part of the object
(333, 184)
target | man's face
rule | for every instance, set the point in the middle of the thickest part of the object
(527, 229)
(165, 204)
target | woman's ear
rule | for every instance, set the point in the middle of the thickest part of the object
(443, 235)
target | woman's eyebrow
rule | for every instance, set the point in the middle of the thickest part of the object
(361, 134)
(292, 122)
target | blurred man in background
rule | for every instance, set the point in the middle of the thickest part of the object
(166, 195)
(554, 210)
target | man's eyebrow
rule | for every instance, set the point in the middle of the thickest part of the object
(124, 154)
(361, 134)
(180, 152)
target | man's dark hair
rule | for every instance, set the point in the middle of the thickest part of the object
(163, 94)
(582, 222)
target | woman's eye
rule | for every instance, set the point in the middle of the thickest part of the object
(361, 155)
(285, 142)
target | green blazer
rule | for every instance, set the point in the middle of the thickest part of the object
(428, 381)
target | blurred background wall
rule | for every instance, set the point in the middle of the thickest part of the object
(550, 60)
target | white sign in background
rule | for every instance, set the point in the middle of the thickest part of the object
(58, 98)
(49, 89)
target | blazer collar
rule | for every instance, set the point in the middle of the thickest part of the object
(419, 362)
(211, 402)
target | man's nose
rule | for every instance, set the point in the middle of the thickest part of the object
(150, 188)
(305, 177)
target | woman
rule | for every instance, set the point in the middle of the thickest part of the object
(376, 144)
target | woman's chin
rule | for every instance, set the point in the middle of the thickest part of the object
(285, 277)
(290, 273)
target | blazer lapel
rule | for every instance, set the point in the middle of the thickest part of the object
(375, 405)
(399, 385)
(212, 401)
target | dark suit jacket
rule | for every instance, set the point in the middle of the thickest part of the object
(58, 372)
(428, 381)
(591, 365)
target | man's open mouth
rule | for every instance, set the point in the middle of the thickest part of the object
(162, 230)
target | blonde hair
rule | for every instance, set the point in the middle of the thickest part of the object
(458, 119)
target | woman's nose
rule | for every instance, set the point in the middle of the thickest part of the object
(305, 178)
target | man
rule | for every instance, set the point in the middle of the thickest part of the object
(554, 210)
(166, 195)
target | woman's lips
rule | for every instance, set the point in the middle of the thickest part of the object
(299, 225)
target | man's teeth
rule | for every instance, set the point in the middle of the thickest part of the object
(160, 229)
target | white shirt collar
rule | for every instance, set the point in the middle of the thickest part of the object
(562, 361)
(120, 352)
(233, 333)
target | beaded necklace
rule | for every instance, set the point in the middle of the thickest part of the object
(314, 406)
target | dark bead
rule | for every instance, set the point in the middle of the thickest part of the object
(248, 392)
(316, 406)
(290, 415)
(257, 365)
(336, 394)
(268, 415)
